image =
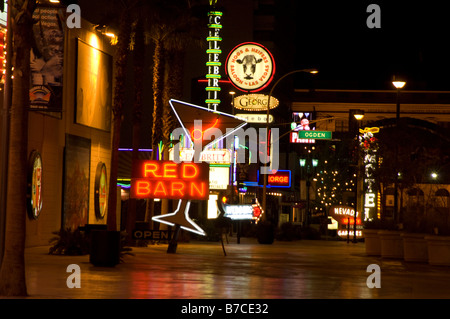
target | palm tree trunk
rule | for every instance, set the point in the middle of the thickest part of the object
(12, 271)
(139, 55)
(119, 95)
(158, 82)
(173, 78)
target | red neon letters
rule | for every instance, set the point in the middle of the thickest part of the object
(167, 179)
(280, 179)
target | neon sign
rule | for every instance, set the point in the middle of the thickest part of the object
(301, 122)
(254, 102)
(194, 118)
(243, 211)
(345, 217)
(282, 179)
(250, 67)
(212, 156)
(213, 76)
(195, 136)
(369, 145)
(167, 179)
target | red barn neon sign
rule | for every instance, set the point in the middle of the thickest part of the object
(167, 179)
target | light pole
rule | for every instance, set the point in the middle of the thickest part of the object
(358, 115)
(398, 85)
(311, 71)
(232, 93)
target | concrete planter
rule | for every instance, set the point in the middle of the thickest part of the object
(438, 250)
(372, 242)
(415, 247)
(391, 244)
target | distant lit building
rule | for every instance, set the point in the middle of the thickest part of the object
(426, 111)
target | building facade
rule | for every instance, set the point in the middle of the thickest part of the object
(69, 125)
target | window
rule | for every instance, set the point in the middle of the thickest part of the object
(442, 198)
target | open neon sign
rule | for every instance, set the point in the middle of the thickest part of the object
(167, 179)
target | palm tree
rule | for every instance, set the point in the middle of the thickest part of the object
(119, 95)
(139, 55)
(186, 32)
(12, 271)
(172, 28)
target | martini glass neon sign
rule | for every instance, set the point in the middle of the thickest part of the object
(202, 133)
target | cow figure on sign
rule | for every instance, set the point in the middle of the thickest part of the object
(249, 64)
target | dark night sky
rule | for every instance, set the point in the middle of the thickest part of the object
(412, 41)
(331, 35)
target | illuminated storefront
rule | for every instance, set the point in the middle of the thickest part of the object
(64, 152)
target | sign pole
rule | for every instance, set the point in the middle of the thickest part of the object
(173, 244)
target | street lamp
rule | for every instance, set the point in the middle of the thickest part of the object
(399, 84)
(310, 71)
(358, 115)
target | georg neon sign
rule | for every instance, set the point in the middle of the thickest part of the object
(167, 179)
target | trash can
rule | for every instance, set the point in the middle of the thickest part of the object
(104, 248)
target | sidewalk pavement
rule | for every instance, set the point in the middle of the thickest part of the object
(304, 269)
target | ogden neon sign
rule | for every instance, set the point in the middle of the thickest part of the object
(213, 64)
(167, 179)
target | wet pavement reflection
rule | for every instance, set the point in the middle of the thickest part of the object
(284, 270)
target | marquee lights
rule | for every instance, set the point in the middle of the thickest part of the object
(213, 76)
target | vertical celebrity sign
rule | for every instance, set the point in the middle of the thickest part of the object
(213, 76)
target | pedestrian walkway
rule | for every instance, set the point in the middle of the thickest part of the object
(284, 270)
